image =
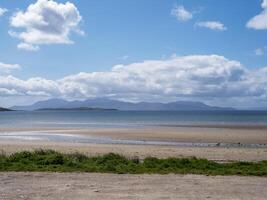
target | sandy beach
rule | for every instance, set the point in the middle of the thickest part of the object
(68, 186)
(178, 134)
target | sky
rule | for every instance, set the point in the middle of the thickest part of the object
(154, 50)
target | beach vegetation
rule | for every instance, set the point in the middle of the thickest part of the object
(52, 161)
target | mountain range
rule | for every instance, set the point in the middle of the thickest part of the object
(105, 103)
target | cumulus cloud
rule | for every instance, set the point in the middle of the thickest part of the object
(259, 22)
(6, 68)
(194, 77)
(45, 22)
(181, 13)
(213, 25)
(2, 11)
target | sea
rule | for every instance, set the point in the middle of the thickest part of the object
(117, 119)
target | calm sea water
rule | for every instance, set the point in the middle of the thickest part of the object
(103, 119)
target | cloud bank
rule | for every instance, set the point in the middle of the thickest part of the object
(45, 22)
(194, 77)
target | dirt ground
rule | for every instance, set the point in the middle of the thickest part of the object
(84, 186)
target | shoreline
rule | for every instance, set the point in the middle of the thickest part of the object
(60, 136)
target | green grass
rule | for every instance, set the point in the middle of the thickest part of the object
(52, 161)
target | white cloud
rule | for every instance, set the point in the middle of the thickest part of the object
(6, 68)
(259, 52)
(46, 22)
(198, 77)
(31, 87)
(2, 11)
(259, 22)
(214, 25)
(28, 47)
(181, 13)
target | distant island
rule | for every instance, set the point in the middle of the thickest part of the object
(79, 108)
(111, 104)
(4, 109)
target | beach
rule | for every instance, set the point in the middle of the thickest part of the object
(219, 144)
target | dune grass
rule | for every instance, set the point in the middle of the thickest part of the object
(52, 161)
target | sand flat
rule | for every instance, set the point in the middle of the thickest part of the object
(83, 186)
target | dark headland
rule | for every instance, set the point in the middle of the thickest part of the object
(4, 109)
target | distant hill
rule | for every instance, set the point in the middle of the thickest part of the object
(4, 109)
(105, 103)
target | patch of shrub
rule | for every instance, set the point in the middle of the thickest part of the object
(49, 160)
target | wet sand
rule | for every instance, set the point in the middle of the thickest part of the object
(81, 186)
(183, 134)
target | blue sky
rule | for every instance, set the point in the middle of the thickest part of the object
(126, 32)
